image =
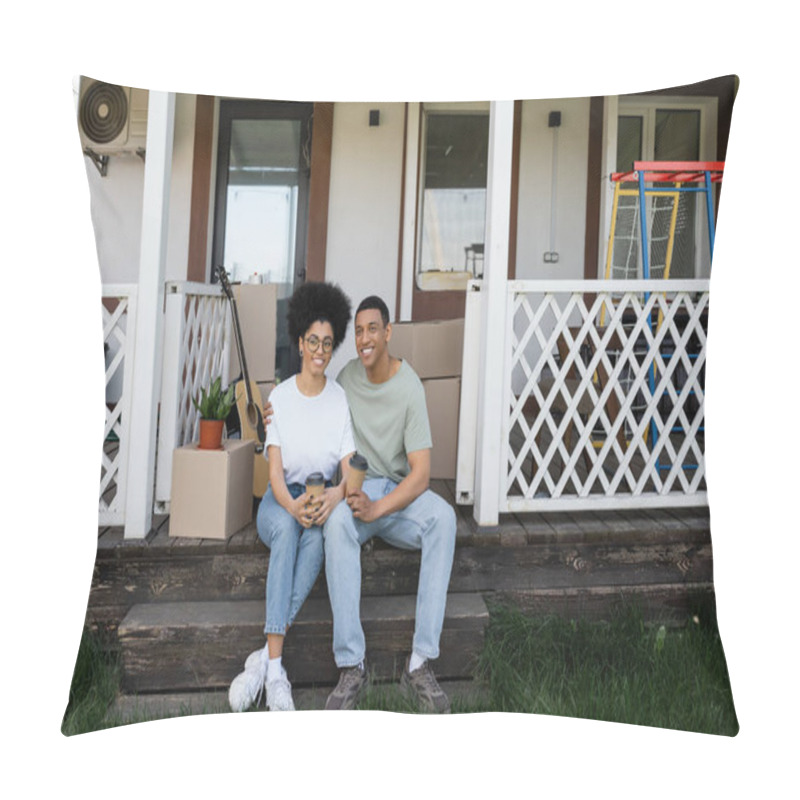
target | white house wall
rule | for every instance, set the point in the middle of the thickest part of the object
(116, 208)
(536, 197)
(116, 205)
(365, 200)
(365, 195)
(364, 206)
(535, 181)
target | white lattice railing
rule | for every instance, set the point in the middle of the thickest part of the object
(119, 318)
(604, 394)
(196, 349)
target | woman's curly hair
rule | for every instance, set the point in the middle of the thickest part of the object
(318, 302)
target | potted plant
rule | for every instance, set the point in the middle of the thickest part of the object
(214, 406)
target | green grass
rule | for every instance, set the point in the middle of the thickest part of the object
(622, 670)
(95, 683)
(618, 671)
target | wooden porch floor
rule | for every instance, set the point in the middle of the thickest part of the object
(573, 563)
(513, 529)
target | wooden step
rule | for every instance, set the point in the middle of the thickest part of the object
(183, 646)
(126, 576)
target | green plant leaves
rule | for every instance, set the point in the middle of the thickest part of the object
(214, 403)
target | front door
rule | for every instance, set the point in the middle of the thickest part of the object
(261, 205)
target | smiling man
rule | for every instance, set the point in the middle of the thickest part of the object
(391, 428)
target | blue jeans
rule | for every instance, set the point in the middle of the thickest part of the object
(427, 524)
(296, 556)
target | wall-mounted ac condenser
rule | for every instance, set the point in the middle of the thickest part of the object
(112, 119)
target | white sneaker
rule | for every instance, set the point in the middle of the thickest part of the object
(257, 660)
(248, 686)
(279, 694)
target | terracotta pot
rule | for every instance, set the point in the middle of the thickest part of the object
(211, 434)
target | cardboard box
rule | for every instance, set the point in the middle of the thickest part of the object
(212, 490)
(434, 349)
(443, 396)
(257, 308)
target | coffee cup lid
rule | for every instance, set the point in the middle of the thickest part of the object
(315, 477)
(358, 461)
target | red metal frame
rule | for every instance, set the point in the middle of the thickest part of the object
(676, 171)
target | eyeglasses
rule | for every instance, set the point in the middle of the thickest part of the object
(314, 342)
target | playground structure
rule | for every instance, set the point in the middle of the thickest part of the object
(643, 234)
(644, 238)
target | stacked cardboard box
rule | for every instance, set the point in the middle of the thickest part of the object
(212, 490)
(435, 351)
(257, 307)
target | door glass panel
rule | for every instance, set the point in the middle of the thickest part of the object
(669, 135)
(629, 142)
(261, 211)
(626, 254)
(677, 135)
(262, 195)
(677, 138)
(453, 202)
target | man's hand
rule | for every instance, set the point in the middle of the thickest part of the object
(266, 413)
(362, 507)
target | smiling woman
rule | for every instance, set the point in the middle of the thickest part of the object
(310, 435)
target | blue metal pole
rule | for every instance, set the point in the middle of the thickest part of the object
(643, 227)
(646, 274)
(710, 211)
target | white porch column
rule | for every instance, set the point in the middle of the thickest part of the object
(489, 451)
(608, 165)
(149, 315)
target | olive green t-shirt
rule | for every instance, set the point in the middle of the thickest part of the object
(390, 419)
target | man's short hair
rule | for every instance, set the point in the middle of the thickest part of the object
(373, 301)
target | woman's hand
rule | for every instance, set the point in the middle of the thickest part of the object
(302, 510)
(330, 498)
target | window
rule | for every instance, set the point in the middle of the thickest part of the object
(452, 202)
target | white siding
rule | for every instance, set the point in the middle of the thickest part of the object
(364, 207)
(535, 182)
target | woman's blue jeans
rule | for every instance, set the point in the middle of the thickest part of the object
(295, 560)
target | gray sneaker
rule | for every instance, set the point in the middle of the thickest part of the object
(351, 681)
(421, 684)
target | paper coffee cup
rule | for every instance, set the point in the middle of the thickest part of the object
(356, 472)
(315, 485)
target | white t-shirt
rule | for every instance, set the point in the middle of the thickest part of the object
(313, 433)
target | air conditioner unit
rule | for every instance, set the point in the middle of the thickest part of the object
(112, 119)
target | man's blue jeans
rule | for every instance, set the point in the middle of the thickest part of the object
(296, 556)
(427, 524)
